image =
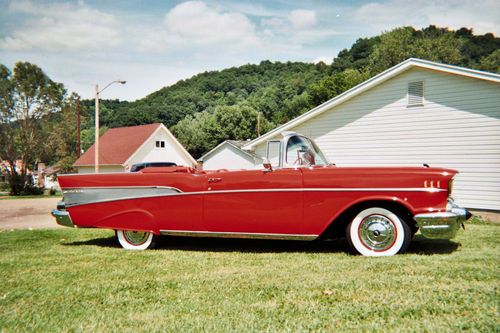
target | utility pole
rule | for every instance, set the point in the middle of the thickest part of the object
(78, 143)
(258, 124)
(96, 145)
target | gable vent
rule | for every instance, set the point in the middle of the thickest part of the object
(416, 93)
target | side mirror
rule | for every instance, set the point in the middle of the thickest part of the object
(273, 153)
(267, 165)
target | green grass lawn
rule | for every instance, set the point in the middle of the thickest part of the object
(79, 280)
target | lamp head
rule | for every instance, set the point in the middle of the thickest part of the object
(122, 82)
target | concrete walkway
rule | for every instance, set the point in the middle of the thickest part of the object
(27, 213)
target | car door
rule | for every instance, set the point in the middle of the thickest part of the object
(254, 201)
(183, 210)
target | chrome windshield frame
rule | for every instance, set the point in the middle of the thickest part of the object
(287, 136)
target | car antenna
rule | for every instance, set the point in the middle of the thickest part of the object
(426, 165)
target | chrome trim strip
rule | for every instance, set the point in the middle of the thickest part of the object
(121, 187)
(89, 195)
(356, 189)
(247, 235)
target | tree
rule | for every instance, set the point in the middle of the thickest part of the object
(8, 151)
(402, 43)
(28, 96)
(59, 146)
(491, 63)
(203, 131)
(336, 84)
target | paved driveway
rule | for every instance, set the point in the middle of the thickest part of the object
(27, 213)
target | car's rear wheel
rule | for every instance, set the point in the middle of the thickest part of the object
(378, 231)
(136, 240)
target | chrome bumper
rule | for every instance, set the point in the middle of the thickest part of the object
(62, 215)
(442, 225)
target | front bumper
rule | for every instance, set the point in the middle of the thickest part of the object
(443, 225)
(62, 215)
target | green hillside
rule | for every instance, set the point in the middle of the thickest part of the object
(209, 107)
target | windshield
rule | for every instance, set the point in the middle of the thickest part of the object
(301, 151)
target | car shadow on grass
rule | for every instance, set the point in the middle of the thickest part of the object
(425, 246)
(419, 245)
(102, 242)
(252, 245)
(208, 244)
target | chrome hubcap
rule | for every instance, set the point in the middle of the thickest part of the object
(136, 237)
(377, 232)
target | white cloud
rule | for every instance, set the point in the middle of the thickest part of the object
(195, 22)
(294, 30)
(302, 18)
(59, 27)
(481, 15)
(325, 59)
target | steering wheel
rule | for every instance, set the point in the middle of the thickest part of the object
(298, 161)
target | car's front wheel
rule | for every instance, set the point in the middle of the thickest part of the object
(377, 231)
(136, 240)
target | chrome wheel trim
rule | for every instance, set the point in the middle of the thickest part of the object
(139, 240)
(377, 232)
(359, 245)
(136, 237)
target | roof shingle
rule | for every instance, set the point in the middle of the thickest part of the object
(118, 144)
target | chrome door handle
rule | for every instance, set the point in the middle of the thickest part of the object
(214, 180)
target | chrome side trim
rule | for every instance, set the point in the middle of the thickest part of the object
(88, 195)
(247, 235)
(355, 189)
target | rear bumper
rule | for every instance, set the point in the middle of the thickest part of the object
(443, 225)
(62, 215)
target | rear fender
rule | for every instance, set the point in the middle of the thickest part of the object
(133, 219)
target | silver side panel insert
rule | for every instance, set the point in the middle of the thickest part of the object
(88, 195)
(249, 235)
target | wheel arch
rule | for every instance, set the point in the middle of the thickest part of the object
(131, 219)
(336, 227)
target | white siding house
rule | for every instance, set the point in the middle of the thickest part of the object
(229, 155)
(416, 112)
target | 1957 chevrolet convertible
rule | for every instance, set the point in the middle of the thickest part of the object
(299, 196)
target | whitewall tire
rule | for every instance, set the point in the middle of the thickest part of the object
(377, 231)
(135, 240)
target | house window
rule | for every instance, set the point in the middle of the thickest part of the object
(160, 144)
(416, 93)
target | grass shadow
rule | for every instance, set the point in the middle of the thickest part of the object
(419, 245)
(251, 245)
(424, 246)
(102, 242)
(201, 244)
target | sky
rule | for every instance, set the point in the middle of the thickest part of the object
(152, 44)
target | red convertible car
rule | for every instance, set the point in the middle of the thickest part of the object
(299, 196)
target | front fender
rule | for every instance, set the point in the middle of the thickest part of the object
(350, 207)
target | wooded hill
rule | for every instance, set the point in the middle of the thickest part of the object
(213, 106)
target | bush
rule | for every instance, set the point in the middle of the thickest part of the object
(4, 187)
(30, 188)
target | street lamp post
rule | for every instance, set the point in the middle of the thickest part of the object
(96, 146)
